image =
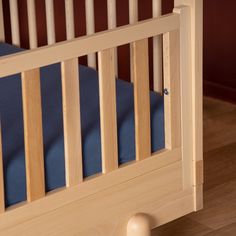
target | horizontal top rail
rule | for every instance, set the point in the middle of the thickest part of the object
(47, 55)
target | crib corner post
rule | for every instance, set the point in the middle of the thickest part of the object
(196, 34)
(2, 34)
(139, 225)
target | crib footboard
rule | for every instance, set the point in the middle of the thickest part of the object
(163, 185)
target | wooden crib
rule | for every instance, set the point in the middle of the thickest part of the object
(130, 199)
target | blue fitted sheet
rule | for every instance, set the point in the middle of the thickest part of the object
(12, 126)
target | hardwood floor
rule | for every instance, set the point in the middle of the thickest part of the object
(218, 218)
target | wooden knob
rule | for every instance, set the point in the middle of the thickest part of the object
(139, 225)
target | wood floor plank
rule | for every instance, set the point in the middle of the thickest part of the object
(213, 107)
(219, 213)
(229, 230)
(219, 207)
(219, 166)
(219, 131)
(184, 227)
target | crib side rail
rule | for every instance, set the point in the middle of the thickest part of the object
(67, 53)
(87, 44)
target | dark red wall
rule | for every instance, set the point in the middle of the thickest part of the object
(219, 36)
(220, 49)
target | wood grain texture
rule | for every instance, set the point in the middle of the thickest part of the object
(32, 24)
(140, 73)
(121, 202)
(51, 54)
(51, 35)
(2, 33)
(89, 187)
(32, 110)
(157, 51)
(72, 122)
(2, 202)
(191, 28)
(108, 113)
(172, 101)
(218, 216)
(70, 25)
(220, 131)
(14, 15)
(90, 29)
(182, 227)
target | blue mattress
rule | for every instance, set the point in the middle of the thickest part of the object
(12, 126)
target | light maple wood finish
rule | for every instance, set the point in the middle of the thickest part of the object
(71, 120)
(196, 49)
(125, 191)
(51, 35)
(157, 51)
(33, 134)
(108, 117)
(90, 28)
(133, 18)
(186, 94)
(70, 26)
(2, 202)
(172, 101)
(112, 23)
(32, 24)
(140, 73)
(82, 46)
(133, 11)
(218, 216)
(14, 16)
(121, 201)
(139, 225)
(2, 33)
(90, 186)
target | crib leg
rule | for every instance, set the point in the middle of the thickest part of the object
(139, 225)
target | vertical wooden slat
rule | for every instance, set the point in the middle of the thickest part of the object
(111, 14)
(71, 119)
(2, 33)
(50, 22)
(107, 92)
(15, 31)
(171, 45)
(32, 24)
(90, 28)
(157, 51)
(2, 203)
(133, 11)
(133, 18)
(32, 110)
(140, 73)
(70, 26)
